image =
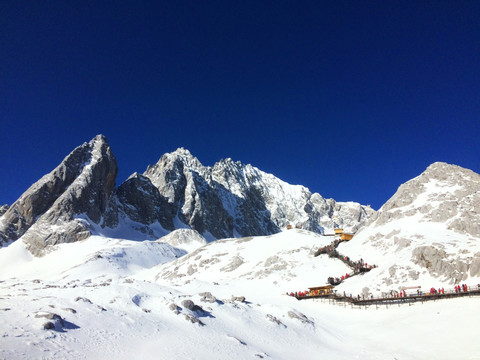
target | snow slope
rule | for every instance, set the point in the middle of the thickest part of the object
(126, 299)
(427, 234)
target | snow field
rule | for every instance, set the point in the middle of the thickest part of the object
(116, 297)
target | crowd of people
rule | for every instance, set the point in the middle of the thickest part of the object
(337, 280)
(360, 267)
(434, 291)
(463, 288)
(299, 293)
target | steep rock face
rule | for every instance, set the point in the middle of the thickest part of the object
(79, 187)
(184, 182)
(232, 199)
(431, 225)
(141, 202)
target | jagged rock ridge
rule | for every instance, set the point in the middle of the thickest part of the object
(230, 199)
(46, 213)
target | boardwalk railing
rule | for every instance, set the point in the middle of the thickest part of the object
(385, 300)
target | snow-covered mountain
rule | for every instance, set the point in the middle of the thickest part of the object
(180, 296)
(231, 199)
(427, 233)
(79, 198)
(55, 209)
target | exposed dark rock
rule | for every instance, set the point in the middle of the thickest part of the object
(76, 192)
(301, 317)
(231, 198)
(56, 321)
(226, 200)
(79, 298)
(49, 325)
(275, 320)
(174, 308)
(190, 305)
(182, 180)
(193, 319)
(238, 298)
(207, 297)
(142, 202)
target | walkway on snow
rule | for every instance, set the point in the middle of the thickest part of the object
(359, 267)
(392, 299)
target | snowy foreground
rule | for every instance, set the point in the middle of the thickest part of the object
(127, 300)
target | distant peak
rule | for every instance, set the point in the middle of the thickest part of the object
(184, 155)
(230, 162)
(99, 138)
(179, 156)
(182, 151)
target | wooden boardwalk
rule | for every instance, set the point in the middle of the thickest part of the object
(390, 299)
(359, 267)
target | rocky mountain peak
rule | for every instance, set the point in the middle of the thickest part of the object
(430, 225)
(229, 199)
(442, 193)
(79, 186)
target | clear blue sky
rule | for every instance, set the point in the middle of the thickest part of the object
(349, 98)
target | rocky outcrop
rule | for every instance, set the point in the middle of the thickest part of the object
(186, 239)
(3, 209)
(431, 225)
(443, 193)
(141, 201)
(59, 207)
(227, 200)
(184, 182)
(439, 263)
(231, 199)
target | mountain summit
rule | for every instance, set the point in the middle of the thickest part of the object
(443, 193)
(429, 227)
(49, 212)
(230, 199)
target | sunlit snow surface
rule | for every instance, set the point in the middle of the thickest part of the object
(115, 297)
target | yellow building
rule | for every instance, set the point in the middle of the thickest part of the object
(320, 290)
(343, 236)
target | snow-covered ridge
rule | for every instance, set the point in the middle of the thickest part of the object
(429, 229)
(227, 200)
(443, 193)
(245, 200)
